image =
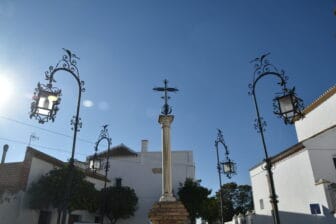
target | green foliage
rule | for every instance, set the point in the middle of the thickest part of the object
(84, 196)
(243, 199)
(193, 196)
(210, 210)
(236, 199)
(50, 190)
(121, 203)
(227, 200)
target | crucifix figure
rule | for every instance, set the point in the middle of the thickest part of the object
(166, 109)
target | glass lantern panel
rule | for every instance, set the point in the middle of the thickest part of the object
(227, 167)
(46, 103)
(43, 103)
(43, 111)
(286, 104)
(95, 164)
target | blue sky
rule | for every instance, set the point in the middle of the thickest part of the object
(128, 47)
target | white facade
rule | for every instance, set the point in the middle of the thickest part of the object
(320, 115)
(13, 207)
(305, 174)
(143, 173)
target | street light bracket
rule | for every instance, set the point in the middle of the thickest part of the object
(228, 162)
(104, 135)
(68, 63)
(263, 68)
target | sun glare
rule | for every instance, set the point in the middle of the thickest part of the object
(6, 90)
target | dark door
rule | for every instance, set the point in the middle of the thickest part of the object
(44, 217)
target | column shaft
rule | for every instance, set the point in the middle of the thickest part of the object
(167, 187)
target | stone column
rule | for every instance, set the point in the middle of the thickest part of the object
(167, 210)
(167, 186)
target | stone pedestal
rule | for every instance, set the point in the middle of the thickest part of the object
(168, 212)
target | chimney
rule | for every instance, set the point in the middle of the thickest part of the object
(144, 145)
(5, 149)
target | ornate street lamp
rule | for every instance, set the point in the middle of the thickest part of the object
(96, 164)
(228, 167)
(286, 105)
(45, 106)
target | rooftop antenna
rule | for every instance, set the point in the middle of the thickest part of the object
(32, 137)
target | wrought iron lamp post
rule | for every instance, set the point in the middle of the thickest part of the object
(286, 105)
(95, 163)
(47, 98)
(228, 167)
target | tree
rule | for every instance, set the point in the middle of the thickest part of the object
(50, 189)
(121, 203)
(236, 199)
(193, 196)
(227, 200)
(210, 210)
(243, 199)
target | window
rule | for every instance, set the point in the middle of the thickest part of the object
(44, 217)
(334, 162)
(315, 209)
(332, 193)
(118, 182)
(261, 203)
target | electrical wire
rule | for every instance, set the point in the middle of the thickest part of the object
(40, 146)
(44, 129)
(67, 136)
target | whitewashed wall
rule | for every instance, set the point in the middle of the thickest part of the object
(297, 182)
(10, 207)
(317, 120)
(137, 173)
(15, 211)
(303, 178)
(322, 150)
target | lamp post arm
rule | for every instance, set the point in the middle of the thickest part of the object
(281, 76)
(80, 90)
(260, 125)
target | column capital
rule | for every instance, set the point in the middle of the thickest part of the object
(166, 120)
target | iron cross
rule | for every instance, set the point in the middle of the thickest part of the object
(166, 109)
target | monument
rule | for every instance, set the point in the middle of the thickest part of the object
(167, 210)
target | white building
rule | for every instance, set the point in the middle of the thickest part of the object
(142, 172)
(304, 174)
(138, 170)
(15, 179)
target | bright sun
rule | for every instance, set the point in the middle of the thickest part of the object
(6, 89)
